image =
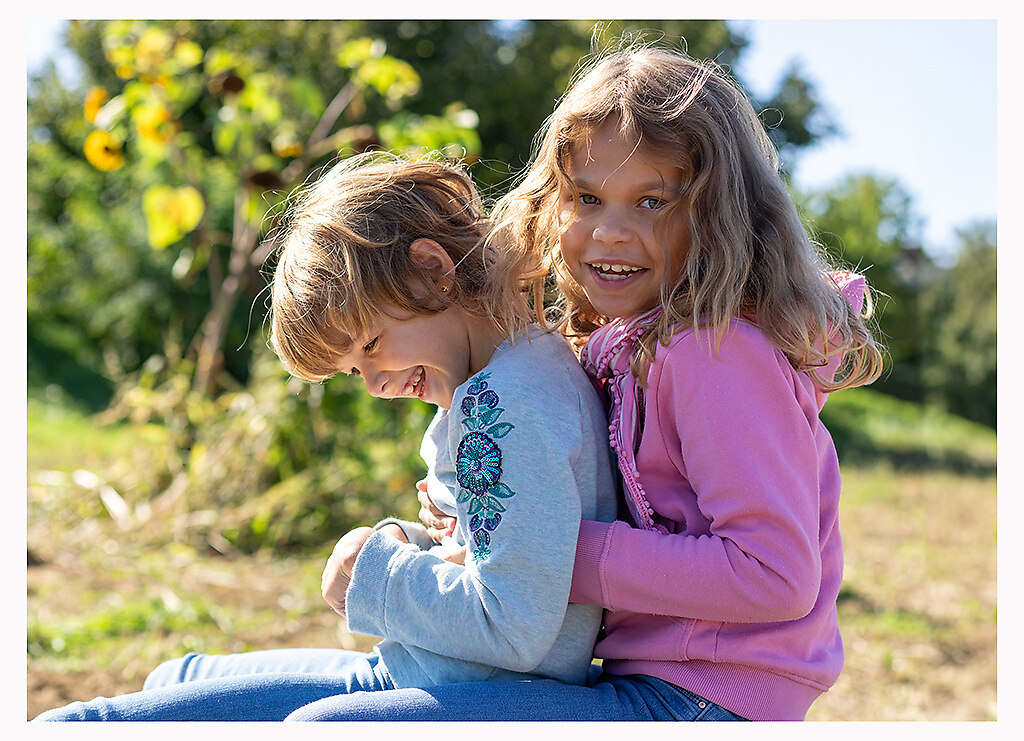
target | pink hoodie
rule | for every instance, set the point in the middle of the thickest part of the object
(726, 583)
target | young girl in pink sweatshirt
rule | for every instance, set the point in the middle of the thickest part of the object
(716, 329)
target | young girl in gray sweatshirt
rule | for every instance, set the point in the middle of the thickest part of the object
(385, 272)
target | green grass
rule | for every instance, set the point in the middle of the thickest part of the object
(76, 635)
(917, 609)
(868, 426)
(64, 437)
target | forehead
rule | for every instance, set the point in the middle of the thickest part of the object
(605, 151)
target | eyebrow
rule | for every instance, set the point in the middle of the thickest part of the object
(651, 185)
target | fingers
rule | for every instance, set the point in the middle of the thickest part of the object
(437, 533)
(338, 571)
(333, 585)
(438, 524)
(425, 503)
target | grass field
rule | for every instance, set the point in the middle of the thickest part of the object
(110, 596)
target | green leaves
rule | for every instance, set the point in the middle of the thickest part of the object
(171, 213)
(453, 134)
(392, 78)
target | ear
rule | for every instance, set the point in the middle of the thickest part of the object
(433, 258)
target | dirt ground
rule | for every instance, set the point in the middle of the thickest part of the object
(918, 609)
(263, 603)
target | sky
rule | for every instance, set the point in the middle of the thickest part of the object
(915, 100)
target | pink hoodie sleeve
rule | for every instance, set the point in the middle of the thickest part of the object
(739, 435)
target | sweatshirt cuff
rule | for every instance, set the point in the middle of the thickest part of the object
(365, 606)
(591, 546)
(415, 533)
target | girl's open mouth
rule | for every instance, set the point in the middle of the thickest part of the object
(414, 386)
(615, 271)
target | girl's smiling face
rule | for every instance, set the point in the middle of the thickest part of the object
(422, 356)
(425, 356)
(608, 241)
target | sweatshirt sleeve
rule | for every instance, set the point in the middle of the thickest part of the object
(519, 511)
(739, 440)
(414, 532)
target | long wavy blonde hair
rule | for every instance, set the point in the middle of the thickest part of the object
(750, 254)
(344, 258)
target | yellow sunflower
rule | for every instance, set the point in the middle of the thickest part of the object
(103, 151)
(94, 100)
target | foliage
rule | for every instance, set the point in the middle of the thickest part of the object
(868, 222)
(960, 307)
(869, 426)
(151, 185)
(938, 325)
(154, 184)
(512, 72)
(278, 463)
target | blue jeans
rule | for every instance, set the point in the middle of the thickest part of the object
(332, 684)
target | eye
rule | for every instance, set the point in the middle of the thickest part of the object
(653, 203)
(371, 345)
(589, 200)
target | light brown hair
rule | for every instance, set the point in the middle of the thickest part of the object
(750, 255)
(344, 258)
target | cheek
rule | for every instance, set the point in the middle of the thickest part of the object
(571, 233)
(566, 218)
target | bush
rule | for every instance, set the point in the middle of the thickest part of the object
(280, 463)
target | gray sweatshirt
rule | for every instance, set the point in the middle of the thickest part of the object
(521, 457)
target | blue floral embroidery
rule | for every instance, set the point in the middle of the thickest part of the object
(478, 464)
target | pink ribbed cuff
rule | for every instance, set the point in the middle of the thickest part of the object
(586, 574)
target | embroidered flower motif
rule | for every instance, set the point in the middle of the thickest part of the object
(478, 464)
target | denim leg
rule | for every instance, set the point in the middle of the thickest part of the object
(611, 698)
(220, 690)
(192, 666)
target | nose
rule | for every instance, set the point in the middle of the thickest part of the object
(376, 382)
(611, 229)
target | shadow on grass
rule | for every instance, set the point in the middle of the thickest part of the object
(951, 461)
(894, 620)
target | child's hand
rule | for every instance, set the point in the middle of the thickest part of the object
(338, 572)
(438, 524)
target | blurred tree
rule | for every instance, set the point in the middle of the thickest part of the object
(149, 187)
(869, 224)
(199, 128)
(960, 311)
(513, 72)
(794, 116)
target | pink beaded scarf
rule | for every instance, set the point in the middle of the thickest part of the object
(606, 357)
